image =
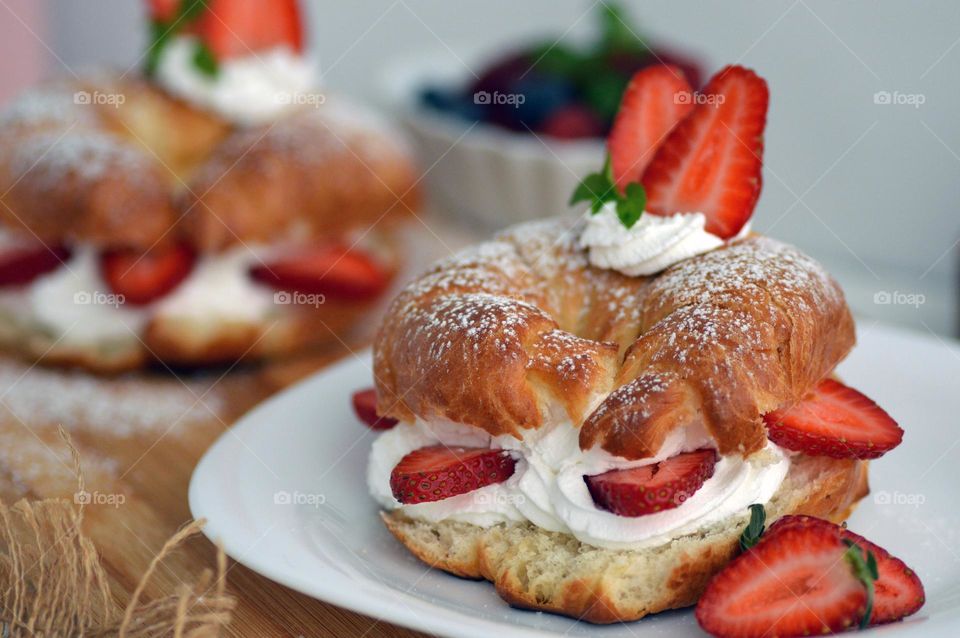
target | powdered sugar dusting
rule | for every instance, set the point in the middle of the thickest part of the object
(29, 460)
(53, 105)
(756, 265)
(312, 137)
(87, 156)
(711, 323)
(119, 407)
(473, 320)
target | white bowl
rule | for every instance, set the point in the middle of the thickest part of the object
(478, 170)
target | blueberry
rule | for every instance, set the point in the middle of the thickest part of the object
(534, 98)
(452, 102)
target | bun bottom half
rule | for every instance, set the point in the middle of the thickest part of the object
(548, 571)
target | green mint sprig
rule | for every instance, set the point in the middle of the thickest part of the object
(599, 188)
(754, 530)
(162, 32)
(866, 571)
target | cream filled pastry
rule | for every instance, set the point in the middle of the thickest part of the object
(217, 207)
(593, 413)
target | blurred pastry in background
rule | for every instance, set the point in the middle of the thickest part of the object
(217, 207)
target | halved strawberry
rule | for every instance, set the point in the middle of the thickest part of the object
(898, 592)
(834, 421)
(438, 472)
(142, 278)
(652, 488)
(656, 99)
(235, 28)
(365, 406)
(334, 270)
(711, 162)
(796, 582)
(22, 264)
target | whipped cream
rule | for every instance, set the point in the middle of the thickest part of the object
(74, 305)
(249, 90)
(654, 243)
(547, 487)
(220, 289)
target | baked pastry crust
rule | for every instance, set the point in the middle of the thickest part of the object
(497, 335)
(536, 569)
(129, 172)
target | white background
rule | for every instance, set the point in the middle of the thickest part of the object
(871, 190)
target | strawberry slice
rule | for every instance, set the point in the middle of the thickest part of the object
(236, 28)
(796, 582)
(22, 264)
(656, 99)
(834, 421)
(652, 488)
(438, 472)
(898, 592)
(711, 161)
(365, 407)
(333, 270)
(142, 278)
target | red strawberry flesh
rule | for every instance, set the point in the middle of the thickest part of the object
(652, 488)
(144, 277)
(711, 162)
(21, 265)
(656, 99)
(438, 472)
(796, 582)
(835, 421)
(164, 10)
(365, 407)
(334, 270)
(898, 592)
(240, 28)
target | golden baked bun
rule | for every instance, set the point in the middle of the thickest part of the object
(496, 335)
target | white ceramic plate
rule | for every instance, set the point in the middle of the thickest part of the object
(284, 491)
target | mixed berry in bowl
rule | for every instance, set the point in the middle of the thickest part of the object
(557, 89)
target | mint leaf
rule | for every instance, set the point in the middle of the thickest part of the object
(190, 10)
(205, 61)
(162, 32)
(599, 188)
(754, 530)
(865, 569)
(159, 35)
(617, 34)
(594, 188)
(558, 59)
(631, 205)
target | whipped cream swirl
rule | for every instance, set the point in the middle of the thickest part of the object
(654, 243)
(249, 90)
(547, 487)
